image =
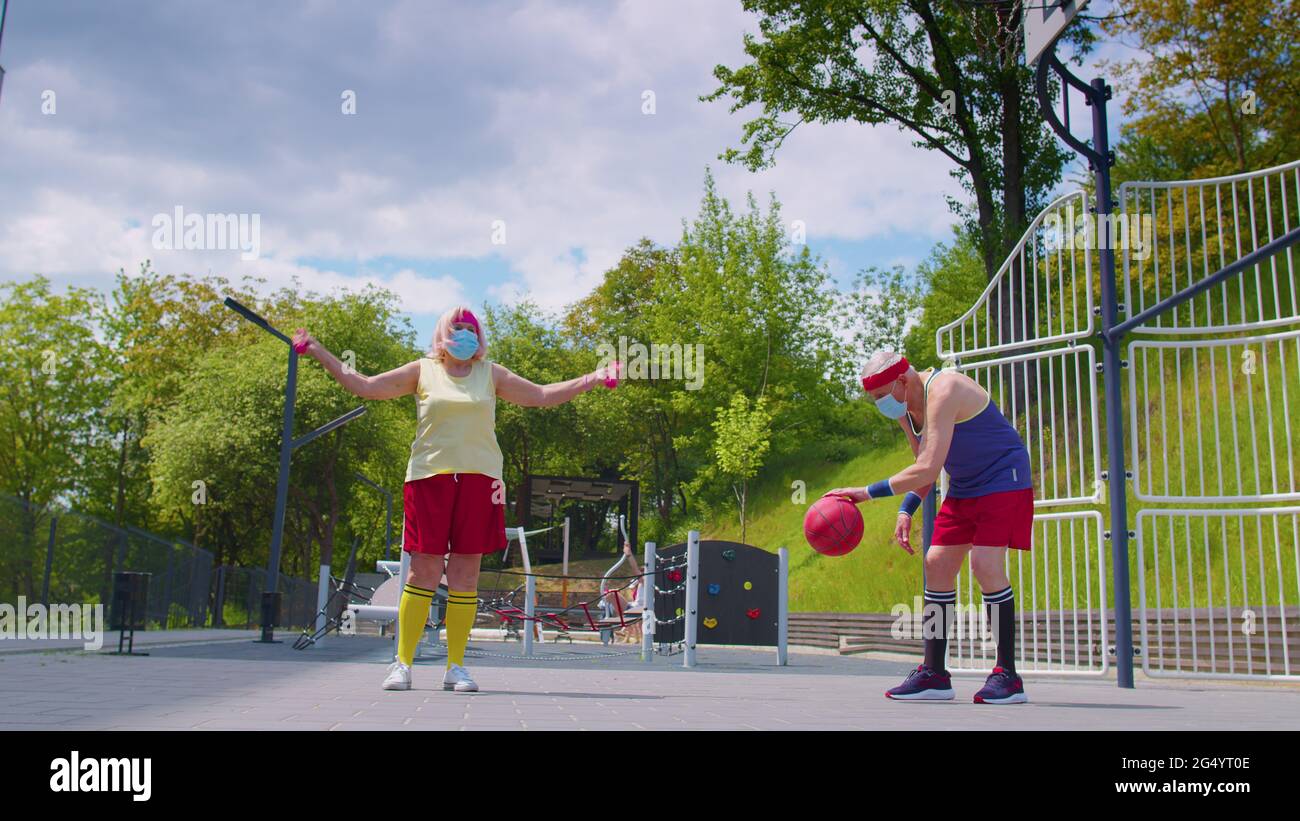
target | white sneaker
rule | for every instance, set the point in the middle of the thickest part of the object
(399, 677)
(458, 679)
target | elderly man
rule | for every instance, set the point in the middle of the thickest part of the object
(952, 425)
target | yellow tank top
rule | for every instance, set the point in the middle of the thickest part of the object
(456, 427)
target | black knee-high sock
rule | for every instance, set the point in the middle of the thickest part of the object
(1000, 610)
(936, 624)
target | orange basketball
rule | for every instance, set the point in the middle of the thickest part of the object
(833, 525)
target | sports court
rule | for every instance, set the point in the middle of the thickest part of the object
(237, 684)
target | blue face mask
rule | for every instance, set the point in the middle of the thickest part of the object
(891, 407)
(463, 344)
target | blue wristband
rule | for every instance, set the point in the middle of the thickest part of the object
(879, 490)
(911, 502)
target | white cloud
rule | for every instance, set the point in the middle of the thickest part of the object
(525, 112)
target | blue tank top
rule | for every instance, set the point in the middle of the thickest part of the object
(986, 455)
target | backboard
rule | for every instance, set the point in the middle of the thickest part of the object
(1044, 22)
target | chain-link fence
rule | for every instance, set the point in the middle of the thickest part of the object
(61, 556)
(238, 598)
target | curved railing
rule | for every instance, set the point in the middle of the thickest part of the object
(1041, 295)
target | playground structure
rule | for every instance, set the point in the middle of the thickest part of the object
(746, 597)
(745, 601)
(1218, 588)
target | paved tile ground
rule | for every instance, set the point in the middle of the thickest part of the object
(225, 682)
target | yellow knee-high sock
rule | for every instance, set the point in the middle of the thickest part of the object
(412, 615)
(461, 607)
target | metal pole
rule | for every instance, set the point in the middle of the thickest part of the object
(1112, 363)
(219, 611)
(648, 603)
(282, 483)
(564, 571)
(530, 590)
(404, 570)
(692, 595)
(322, 596)
(4, 14)
(929, 510)
(49, 562)
(782, 605)
(388, 525)
(1252, 259)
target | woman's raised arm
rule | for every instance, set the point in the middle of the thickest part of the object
(400, 381)
(519, 391)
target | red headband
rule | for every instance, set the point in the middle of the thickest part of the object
(888, 375)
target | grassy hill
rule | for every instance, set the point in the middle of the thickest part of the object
(874, 576)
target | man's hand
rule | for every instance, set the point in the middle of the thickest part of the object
(903, 532)
(856, 495)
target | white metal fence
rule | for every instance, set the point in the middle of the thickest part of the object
(1218, 592)
(1199, 226)
(1232, 437)
(1050, 397)
(1061, 605)
(1211, 418)
(1042, 294)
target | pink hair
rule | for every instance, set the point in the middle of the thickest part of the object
(442, 332)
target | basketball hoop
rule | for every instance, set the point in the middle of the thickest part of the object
(998, 28)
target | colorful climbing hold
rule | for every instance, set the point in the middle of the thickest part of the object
(753, 614)
(714, 589)
(680, 611)
(710, 622)
(749, 586)
(729, 554)
(675, 575)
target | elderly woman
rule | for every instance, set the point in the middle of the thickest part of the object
(454, 496)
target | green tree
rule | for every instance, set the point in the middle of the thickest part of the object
(155, 326)
(54, 384)
(743, 436)
(1215, 89)
(951, 279)
(881, 307)
(223, 429)
(763, 312)
(923, 66)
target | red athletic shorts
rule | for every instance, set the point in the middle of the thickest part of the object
(1003, 519)
(454, 513)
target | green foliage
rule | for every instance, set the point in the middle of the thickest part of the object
(920, 66)
(1214, 88)
(951, 279)
(743, 433)
(760, 312)
(880, 308)
(54, 369)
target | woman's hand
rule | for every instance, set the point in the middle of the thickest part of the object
(627, 548)
(609, 374)
(903, 532)
(856, 495)
(304, 343)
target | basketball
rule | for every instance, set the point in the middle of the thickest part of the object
(833, 525)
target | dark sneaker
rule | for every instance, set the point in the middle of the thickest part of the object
(1002, 688)
(923, 684)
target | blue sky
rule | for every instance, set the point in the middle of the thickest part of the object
(468, 116)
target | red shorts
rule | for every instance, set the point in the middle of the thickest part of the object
(1003, 519)
(454, 513)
